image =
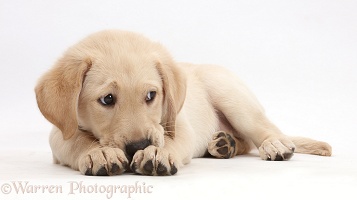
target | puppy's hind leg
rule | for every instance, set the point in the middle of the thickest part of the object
(225, 145)
(244, 113)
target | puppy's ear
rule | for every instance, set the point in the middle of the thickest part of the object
(174, 85)
(58, 90)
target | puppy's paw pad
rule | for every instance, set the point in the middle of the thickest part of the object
(222, 145)
(277, 149)
(153, 161)
(103, 162)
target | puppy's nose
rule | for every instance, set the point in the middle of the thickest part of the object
(133, 147)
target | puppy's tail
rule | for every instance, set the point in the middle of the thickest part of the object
(310, 146)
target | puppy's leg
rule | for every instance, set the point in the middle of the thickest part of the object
(244, 113)
(225, 145)
(83, 152)
(166, 160)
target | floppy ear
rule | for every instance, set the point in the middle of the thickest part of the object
(57, 93)
(174, 85)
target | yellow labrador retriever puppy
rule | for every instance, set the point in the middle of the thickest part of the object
(119, 102)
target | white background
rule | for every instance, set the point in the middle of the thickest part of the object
(298, 57)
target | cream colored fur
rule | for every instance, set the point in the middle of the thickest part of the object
(193, 104)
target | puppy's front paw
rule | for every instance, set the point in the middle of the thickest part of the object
(153, 161)
(103, 162)
(222, 145)
(277, 149)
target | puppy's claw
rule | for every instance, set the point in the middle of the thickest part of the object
(161, 164)
(277, 149)
(103, 162)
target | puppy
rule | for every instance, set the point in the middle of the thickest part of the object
(118, 102)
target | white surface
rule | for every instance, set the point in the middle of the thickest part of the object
(299, 58)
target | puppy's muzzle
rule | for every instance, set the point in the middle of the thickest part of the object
(133, 147)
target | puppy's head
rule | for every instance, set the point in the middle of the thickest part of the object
(118, 86)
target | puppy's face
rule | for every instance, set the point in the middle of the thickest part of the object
(121, 101)
(118, 86)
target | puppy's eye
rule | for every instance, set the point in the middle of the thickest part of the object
(150, 96)
(107, 100)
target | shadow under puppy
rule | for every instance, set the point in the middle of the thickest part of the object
(118, 101)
